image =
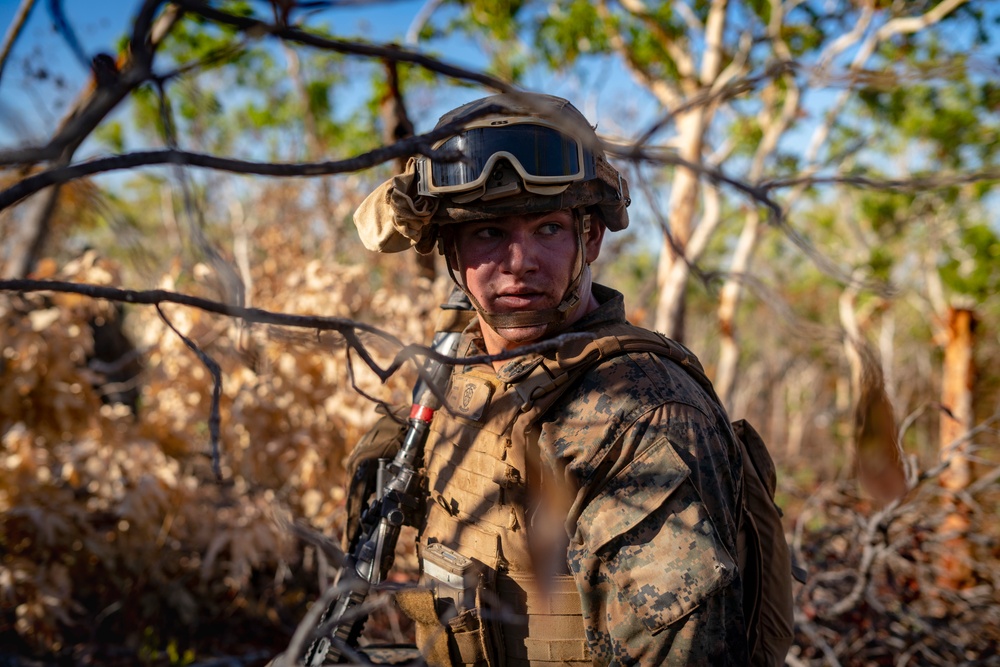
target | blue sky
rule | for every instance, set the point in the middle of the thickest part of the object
(99, 23)
(25, 101)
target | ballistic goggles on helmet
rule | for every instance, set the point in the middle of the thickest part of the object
(538, 150)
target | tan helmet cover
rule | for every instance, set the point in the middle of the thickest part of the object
(394, 217)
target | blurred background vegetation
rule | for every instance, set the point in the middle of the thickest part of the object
(814, 214)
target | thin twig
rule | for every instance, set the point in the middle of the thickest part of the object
(937, 181)
(255, 26)
(342, 325)
(14, 31)
(214, 418)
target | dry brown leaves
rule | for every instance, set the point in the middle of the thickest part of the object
(112, 527)
(873, 596)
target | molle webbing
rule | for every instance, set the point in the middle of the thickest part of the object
(475, 473)
(553, 631)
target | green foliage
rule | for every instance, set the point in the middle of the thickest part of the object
(880, 263)
(971, 267)
(318, 99)
(112, 135)
(498, 18)
(761, 8)
(497, 25)
(195, 39)
(647, 52)
(746, 133)
(802, 38)
(885, 212)
(228, 87)
(949, 111)
(571, 30)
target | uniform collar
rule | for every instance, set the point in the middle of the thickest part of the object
(610, 310)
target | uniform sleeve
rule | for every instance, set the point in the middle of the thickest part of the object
(653, 548)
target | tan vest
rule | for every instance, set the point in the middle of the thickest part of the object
(480, 505)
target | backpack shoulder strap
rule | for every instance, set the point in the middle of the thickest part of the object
(629, 338)
(550, 378)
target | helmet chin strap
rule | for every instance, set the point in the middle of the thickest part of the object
(552, 318)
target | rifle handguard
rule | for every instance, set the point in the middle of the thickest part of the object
(370, 560)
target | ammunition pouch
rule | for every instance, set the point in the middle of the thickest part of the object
(514, 620)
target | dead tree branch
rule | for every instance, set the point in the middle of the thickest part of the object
(255, 27)
(214, 419)
(915, 184)
(871, 538)
(65, 173)
(23, 11)
(346, 327)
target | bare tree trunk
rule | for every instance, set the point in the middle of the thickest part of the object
(956, 397)
(729, 300)
(775, 123)
(691, 124)
(669, 316)
(801, 397)
(396, 125)
(956, 421)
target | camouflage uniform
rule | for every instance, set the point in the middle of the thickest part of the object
(640, 464)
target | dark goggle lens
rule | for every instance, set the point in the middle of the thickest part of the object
(542, 152)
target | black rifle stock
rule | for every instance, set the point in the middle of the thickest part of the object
(396, 505)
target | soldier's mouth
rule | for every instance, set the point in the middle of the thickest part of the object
(519, 300)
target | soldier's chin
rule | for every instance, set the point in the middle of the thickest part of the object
(522, 335)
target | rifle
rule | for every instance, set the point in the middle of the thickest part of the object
(396, 503)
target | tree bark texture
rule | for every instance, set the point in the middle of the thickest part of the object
(669, 318)
(958, 376)
(956, 396)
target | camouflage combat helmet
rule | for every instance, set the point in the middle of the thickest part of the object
(530, 153)
(511, 154)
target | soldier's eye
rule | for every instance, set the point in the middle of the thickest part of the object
(488, 233)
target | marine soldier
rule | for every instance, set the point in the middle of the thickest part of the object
(584, 505)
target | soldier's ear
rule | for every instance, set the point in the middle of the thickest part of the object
(595, 236)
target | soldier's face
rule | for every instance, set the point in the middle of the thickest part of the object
(523, 263)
